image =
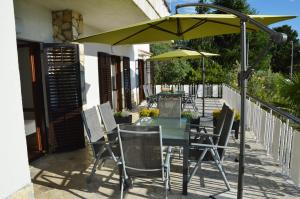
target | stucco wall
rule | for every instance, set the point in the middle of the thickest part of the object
(14, 168)
(33, 21)
(91, 68)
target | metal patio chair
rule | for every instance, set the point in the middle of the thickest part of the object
(108, 121)
(142, 154)
(211, 129)
(102, 149)
(189, 99)
(150, 98)
(209, 150)
(169, 107)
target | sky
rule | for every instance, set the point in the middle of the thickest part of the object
(269, 7)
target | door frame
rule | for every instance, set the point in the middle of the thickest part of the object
(38, 94)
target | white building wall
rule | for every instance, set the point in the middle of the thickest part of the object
(33, 21)
(91, 68)
(14, 167)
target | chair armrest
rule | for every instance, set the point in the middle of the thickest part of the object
(102, 142)
(201, 126)
(211, 146)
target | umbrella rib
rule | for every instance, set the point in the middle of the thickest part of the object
(132, 35)
(179, 33)
(199, 23)
(161, 29)
(228, 24)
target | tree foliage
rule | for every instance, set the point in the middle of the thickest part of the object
(268, 83)
(291, 92)
(281, 54)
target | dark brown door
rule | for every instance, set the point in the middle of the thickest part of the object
(32, 98)
(104, 62)
(116, 62)
(62, 68)
(127, 84)
(141, 66)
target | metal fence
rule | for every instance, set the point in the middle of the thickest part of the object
(274, 129)
(211, 90)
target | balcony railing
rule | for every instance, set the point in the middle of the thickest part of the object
(211, 90)
(274, 129)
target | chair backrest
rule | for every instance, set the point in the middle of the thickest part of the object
(145, 89)
(221, 119)
(141, 150)
(107, 117)
(224, 136)
(94, 131)
(150, 93)
(169, 107)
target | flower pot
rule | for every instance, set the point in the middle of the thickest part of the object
(123, 120)
(194, 122)
(236, 128)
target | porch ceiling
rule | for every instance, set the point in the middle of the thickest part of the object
(100, 14)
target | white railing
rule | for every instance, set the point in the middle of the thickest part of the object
(276, 134)
(211, 90)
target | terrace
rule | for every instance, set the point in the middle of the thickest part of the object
(272, 164)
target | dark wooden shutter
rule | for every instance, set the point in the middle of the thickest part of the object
(63, 97)
(127, 84)
(104, 62)
(141, 66)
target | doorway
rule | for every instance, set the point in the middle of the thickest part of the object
(32, 97)
(117, 82)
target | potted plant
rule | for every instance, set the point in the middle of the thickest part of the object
(123, 117)
(192, 117)
(145, 112)
(236, 124)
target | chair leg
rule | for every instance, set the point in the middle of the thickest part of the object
(89, 178)
(167, 177)
(220, 167)
(197, 165)
(122, 188)
(111, 153)
(202, 184)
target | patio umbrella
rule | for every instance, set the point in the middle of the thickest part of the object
(191, 26)
(187, 54)
(179, 27)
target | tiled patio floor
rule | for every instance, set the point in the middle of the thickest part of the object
(64, 176)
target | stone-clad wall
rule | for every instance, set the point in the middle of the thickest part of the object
(67, 25)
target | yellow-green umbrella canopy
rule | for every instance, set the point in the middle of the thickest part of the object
(181, 53)
(179, 27)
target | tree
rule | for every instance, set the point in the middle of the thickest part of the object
(173, 71)
(281, 59)
(291, 91)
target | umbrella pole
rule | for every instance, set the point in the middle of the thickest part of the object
(243, 83)
(203, 88)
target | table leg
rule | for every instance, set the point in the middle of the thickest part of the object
(185, 170)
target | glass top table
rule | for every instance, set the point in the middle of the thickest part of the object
(174, 130)
(174, 133)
